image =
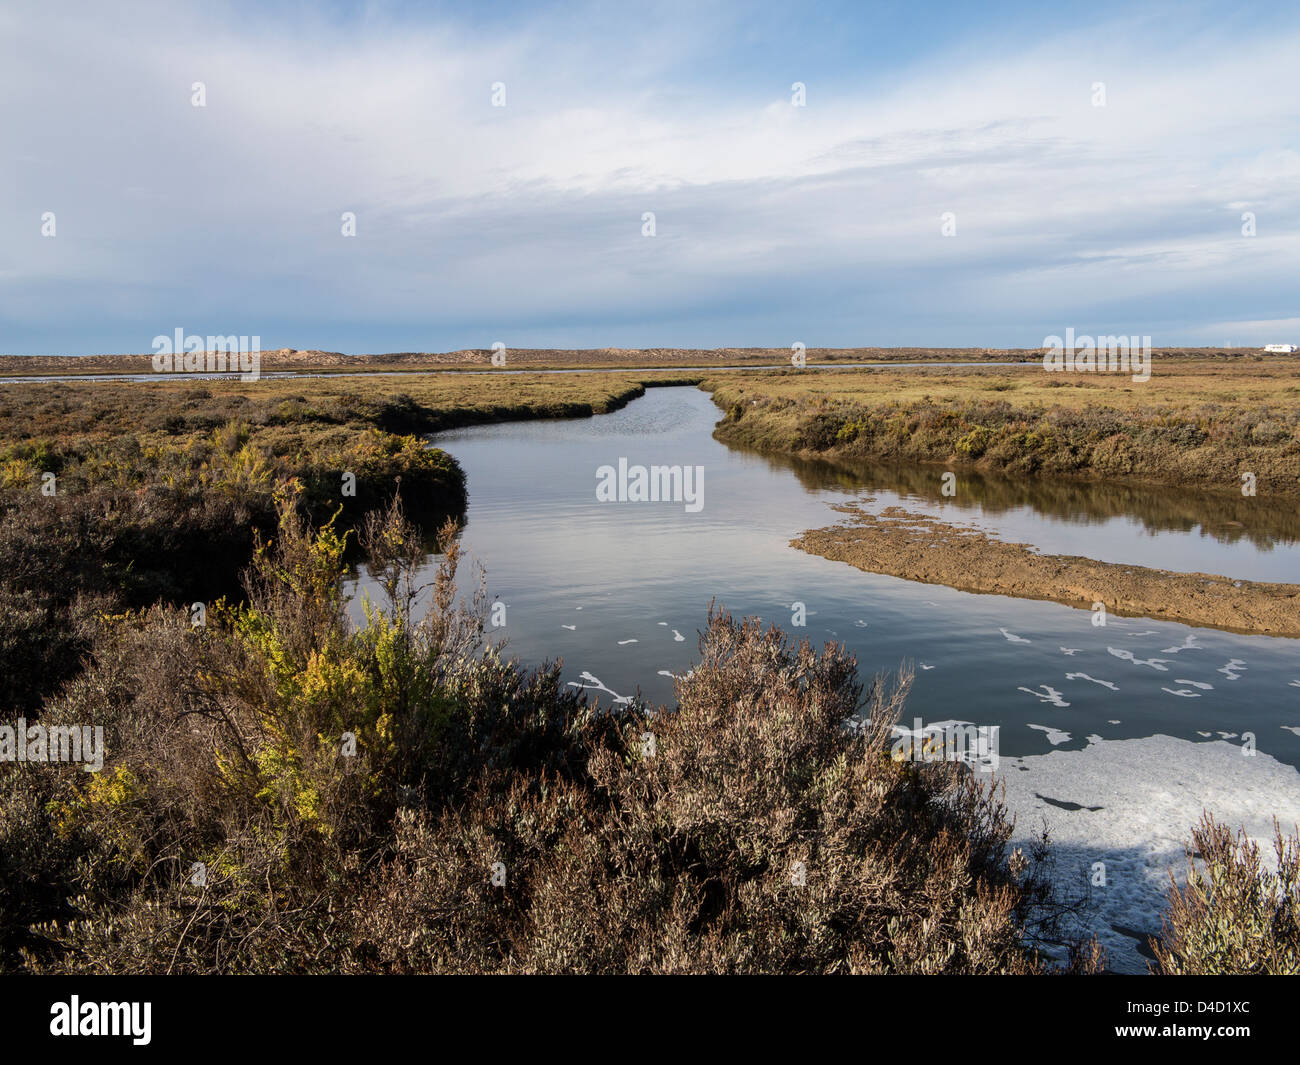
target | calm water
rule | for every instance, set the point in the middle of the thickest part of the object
(620, 590)
(1116, 736)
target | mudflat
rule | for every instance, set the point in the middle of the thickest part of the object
(916, 547)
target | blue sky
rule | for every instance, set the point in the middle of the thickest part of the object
(523, 223)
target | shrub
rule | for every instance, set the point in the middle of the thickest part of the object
(489, 819)
(67, 558)
(1268, 432)
(850, 431)
(818, 432)
(975, 442)
(1233, 916)
(1114, 455)
(134, 522)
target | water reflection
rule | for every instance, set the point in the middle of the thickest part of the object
(1226, 518)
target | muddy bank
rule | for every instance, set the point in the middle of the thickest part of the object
(900, 543)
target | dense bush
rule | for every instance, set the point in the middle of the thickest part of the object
(129, 525)
(1233, 916)
(488, 819)
(820, 431)
(65, 560)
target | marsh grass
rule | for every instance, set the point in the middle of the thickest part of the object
(1193, 424)
(162, 486)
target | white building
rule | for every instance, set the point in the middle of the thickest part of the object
(1281, 349)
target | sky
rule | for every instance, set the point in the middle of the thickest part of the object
(1091, 163)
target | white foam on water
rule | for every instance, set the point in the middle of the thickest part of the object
(1054, 735)
(623, 643)
(1197, 684)
(571, 628)
(677, 636)
(1047, 695)
(1151, 792)
(1154, 663)
(1185, 693)
(1084, 676)
(594, 682)
(1013, 637)
(1233, 669)
(1071, 650)
(1189, 644)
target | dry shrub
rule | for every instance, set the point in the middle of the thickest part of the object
(489, 819)
(1233, 916)
(677, 849)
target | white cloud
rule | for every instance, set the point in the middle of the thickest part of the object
(469, 215)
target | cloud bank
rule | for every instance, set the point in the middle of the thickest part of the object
(773, 223)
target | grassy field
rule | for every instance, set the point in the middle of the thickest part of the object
(233, 436)
(116, 495)
(95, 409)
(917, 547)
(1196, 423)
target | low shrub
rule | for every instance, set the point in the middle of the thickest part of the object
(1233, 916)
(975, 442)
(288, 792)
(818, 432)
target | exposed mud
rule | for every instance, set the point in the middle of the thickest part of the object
(913, 546)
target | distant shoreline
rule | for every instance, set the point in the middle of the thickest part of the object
(332, 362)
